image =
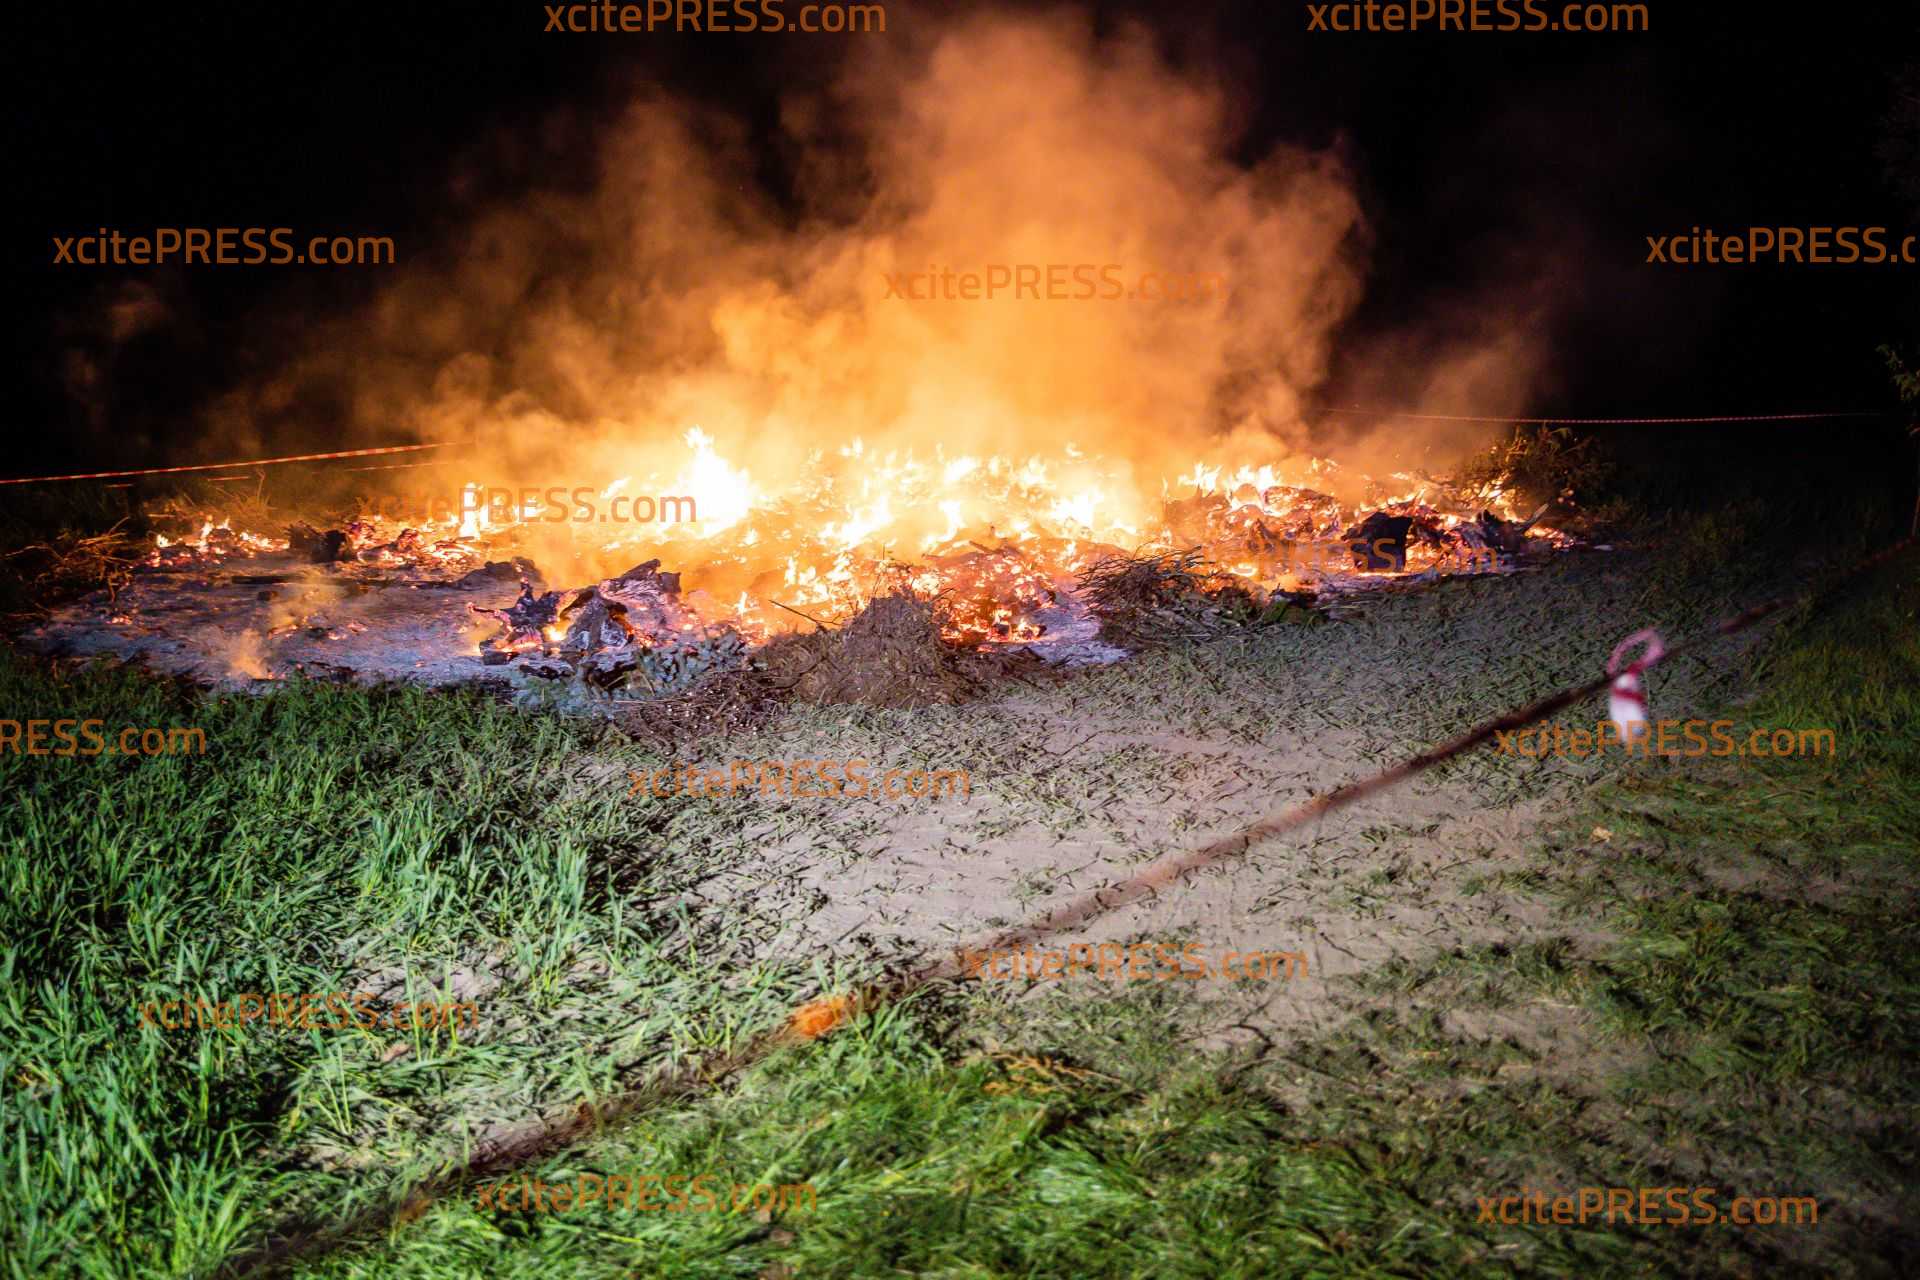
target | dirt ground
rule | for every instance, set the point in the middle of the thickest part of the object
(1076, 784)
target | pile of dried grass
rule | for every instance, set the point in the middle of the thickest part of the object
(1143, 601)
(890, 655)
(36, 576)
(728, 701)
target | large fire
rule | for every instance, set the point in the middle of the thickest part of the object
(674, 328)
(1002, 543)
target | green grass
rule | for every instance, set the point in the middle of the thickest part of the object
(329, 840)
(1759, 1013)
(987, 1165)
(1726, 998)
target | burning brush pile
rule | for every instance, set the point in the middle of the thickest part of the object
(897, 591)
(1014, 468)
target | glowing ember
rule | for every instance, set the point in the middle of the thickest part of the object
(1000, 540)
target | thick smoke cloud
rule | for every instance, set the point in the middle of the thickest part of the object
(574, 337)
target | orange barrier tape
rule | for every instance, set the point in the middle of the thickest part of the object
(222, 466)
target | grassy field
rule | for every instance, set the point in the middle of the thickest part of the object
(1722, 951)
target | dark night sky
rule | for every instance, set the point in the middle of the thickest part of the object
(1480, 154)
